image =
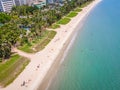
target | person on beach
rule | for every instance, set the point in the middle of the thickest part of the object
(23, 83)
(57, 39)
(38, 66)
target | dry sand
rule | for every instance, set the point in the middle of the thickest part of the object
(41, 62)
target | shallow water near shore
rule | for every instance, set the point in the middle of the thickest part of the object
(93, 61)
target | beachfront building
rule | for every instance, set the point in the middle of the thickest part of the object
(39, 3)
(1, 7)
(58, 1)
(31, 2)
(20, 2)
(23, 2)
(6, 5)
(53, 1)
(17, 2)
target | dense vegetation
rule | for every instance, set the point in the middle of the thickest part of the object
(39, 43)
(23, 10)
(37, 20)
(4, 18)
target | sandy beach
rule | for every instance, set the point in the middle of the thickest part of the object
(43, 63)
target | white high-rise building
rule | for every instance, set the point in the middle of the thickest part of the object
(6, 5)
(23, 2)
(20, 2)
(30, 2)
(17, 2)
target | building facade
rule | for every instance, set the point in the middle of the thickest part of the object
(17, 2)
(53, 1)
(1, 7)
(20, 2)
(6, 5)
(23, 2)
(30, 2)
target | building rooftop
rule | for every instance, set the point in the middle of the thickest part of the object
(39, 3)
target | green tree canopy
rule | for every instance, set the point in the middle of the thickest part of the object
(4, 18)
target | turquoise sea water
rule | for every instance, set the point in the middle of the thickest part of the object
(93, 61)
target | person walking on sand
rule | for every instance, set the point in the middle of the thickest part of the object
(23, 83)
(38, 66)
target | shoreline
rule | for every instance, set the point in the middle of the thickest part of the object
(44, 85)
(49, 58)
(55, 66)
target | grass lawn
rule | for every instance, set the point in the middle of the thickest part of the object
(78, 10)
(72, 14)
(26, 48)
(54, 26)
(64, 21)
(11, 68)
(39, 43)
